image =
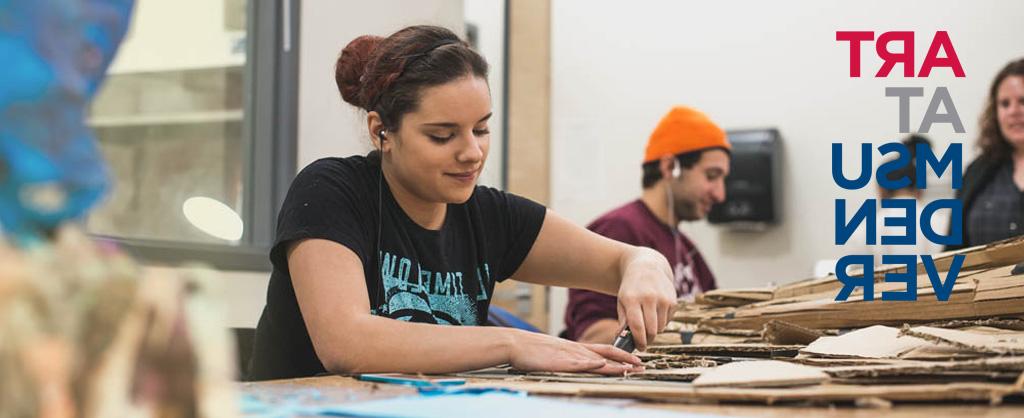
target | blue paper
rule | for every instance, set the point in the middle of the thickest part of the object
(462, 390)
(492, 405)
(407, 380)
(440, 402)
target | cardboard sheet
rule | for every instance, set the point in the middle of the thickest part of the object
(874, 342)
(485, 405)
(763, 374)
(666, 338)
(673, 375)
(734, 350)
(980, 340)
(824, 394)
(1001, 323)
(710, 338)
(671, 361)
(735, 297)
(782, 332)
(923, 368)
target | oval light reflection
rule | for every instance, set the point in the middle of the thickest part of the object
(213, 217)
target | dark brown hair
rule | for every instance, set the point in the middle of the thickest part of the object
(686, 160)
(387, 75)
(991, 140)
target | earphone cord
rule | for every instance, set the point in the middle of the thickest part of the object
(380, 221)
(673, 228)
(679, 256)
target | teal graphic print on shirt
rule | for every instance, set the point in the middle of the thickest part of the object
(415, 293)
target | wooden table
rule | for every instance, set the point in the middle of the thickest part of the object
(345, 389)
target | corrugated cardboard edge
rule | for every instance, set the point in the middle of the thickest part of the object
(992, 393)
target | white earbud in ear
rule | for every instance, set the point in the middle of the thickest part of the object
(676, 171)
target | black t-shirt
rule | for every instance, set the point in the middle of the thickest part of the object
(413, 274)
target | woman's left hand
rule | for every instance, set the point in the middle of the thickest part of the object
(647, 296)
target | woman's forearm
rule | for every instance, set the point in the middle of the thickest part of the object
(371, 344)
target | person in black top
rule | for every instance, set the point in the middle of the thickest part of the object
(993, 185)
(387, 262)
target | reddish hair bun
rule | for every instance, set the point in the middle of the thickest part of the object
(350, 67)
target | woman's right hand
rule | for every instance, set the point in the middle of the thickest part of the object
(531, 351)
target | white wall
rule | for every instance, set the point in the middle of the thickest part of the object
(489, 18)
(616, 69)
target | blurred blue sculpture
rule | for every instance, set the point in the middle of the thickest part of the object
(54, 55)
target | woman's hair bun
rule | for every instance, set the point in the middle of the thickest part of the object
(350, 67)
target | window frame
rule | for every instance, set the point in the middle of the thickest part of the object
(269, 156)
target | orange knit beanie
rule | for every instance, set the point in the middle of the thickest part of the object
(683, 130)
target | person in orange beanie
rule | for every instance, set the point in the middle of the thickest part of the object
(684, 170)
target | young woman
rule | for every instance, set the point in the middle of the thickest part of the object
(379, 256)
(994, 182)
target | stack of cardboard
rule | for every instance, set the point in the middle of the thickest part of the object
(796, 343)
(798, 335)
(987, 288)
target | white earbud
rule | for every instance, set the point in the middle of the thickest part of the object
(676, 171)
